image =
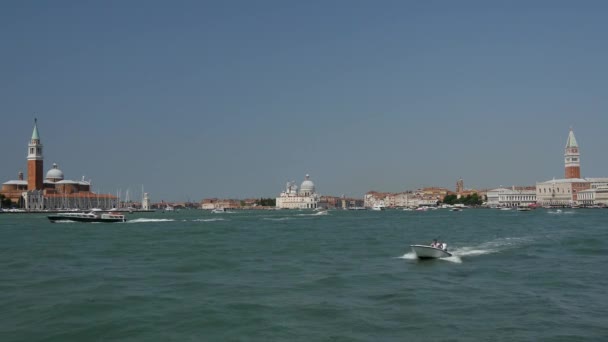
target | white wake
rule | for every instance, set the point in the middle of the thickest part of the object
(146, 220)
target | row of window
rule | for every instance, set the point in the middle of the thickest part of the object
(544, 190)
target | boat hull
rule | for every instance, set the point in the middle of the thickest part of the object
(428, 252)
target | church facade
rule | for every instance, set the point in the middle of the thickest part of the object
(51, 192)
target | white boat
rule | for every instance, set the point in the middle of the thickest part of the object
(456, 209)
(524, 209)
(218, 210)
(378, 207)
(506, 208)
(428, 252)
(93, 216)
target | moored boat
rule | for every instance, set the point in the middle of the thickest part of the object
(93, 216)
(429, 252)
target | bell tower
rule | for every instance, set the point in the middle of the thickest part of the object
(34, 161)
(572, 157)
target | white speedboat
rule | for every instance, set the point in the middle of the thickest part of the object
(218, 210)
(378, 207)
(428, 252)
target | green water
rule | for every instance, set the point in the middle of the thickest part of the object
(292, 276)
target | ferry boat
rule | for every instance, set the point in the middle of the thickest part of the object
(92, 216)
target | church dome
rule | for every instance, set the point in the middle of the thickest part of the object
(54, 174)
(307, 186)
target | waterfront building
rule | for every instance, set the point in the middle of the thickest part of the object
(513, 197)
(572, 158)
(145, 202)
(375, 199)
(517, 198)
(595, 183)
(459, 186)
(493, 196)
(305, 197)
(564, 192)
(53, 191)
(216, 203)
(594, 196)
(560, 192)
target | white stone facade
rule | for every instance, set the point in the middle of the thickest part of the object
(596, 196)
(560, 192)
(304, 198)
(515, 198)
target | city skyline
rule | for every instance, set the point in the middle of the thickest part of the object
(233, 103)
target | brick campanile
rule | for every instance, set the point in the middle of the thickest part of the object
(572, 157)
(35, 161)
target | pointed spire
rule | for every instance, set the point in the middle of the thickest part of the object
(571, 140)
(35, 135)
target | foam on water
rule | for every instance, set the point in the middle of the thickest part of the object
(560, 212)
(484, 248)
(209, 220)
(277, 218)
(146, 220)
(320, 213)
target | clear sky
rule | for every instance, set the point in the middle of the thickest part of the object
(197, 99)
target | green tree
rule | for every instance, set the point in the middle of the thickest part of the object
(6, 203)
(449, 199)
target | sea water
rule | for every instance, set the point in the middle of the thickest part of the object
(300, 276)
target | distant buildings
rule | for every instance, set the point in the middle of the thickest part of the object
(422, 197)
(304, 198)
(53, 191)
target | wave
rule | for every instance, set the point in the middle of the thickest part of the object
(319, 213)
(489, 247)
(560, 212)
(208, 220)
(277, 218)
(146, 220)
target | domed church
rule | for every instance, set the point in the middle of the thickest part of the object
(304, 198)
(52, 191)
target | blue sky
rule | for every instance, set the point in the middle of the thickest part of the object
(197, 99)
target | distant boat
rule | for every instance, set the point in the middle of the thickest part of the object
(93, 216)
(169, 208)
(524, 209)
(456, 209)
(378, 207)
(218, 210)
(506, 208)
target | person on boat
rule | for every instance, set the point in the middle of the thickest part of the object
(444, 246)
(434, 243)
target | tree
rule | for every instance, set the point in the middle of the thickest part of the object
(450, 199)
(6, 202)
